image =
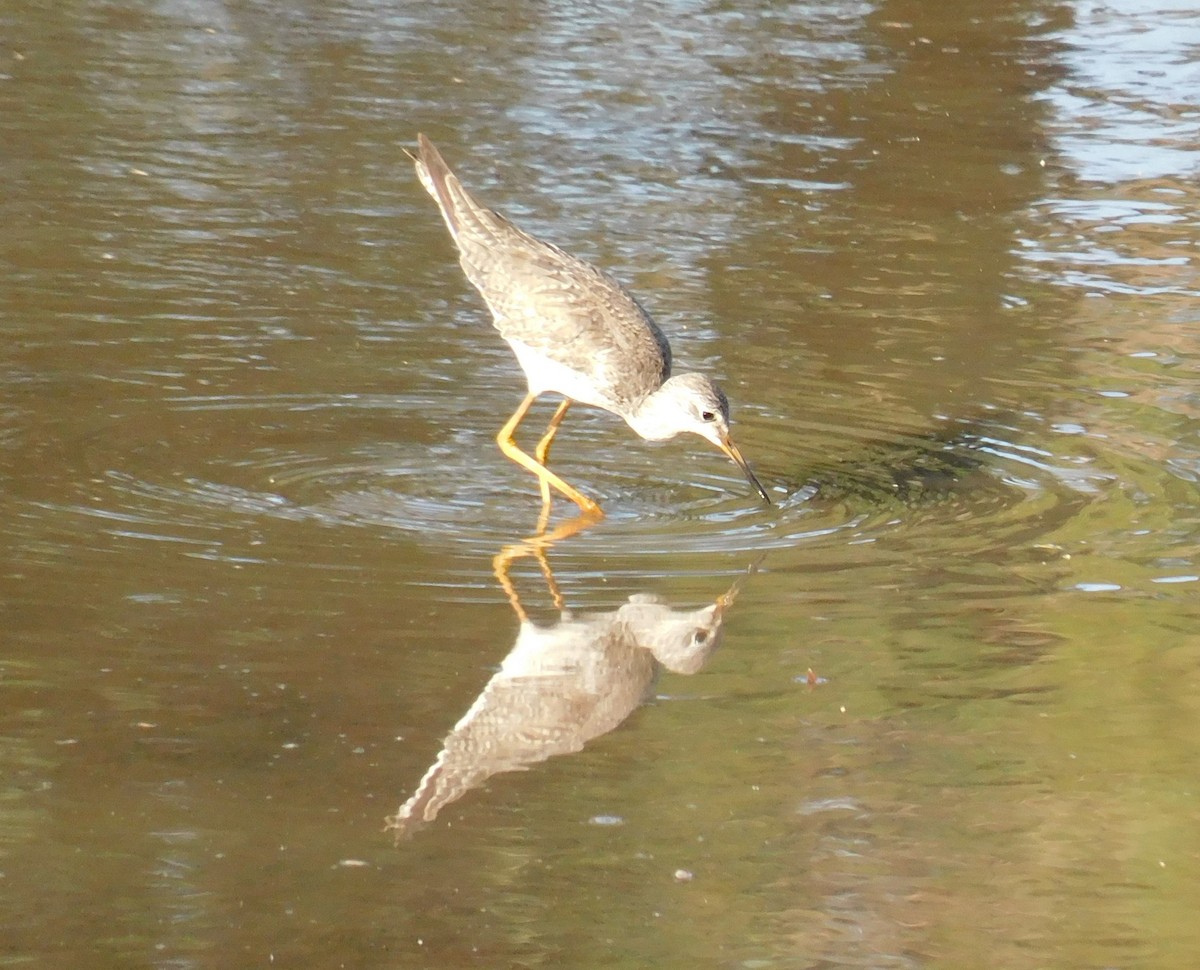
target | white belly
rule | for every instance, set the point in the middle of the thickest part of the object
(547, 375)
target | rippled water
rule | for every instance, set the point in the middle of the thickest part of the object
(264, 569)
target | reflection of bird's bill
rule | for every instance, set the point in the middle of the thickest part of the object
(727, 446)
(725, 600)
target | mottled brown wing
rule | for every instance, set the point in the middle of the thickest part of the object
(559, 305)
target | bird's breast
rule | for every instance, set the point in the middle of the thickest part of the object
(585, 380)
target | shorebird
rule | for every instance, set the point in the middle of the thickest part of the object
(576, 332)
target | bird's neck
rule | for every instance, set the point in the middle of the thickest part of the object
(650, 419)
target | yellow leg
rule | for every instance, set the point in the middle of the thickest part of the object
(507, 445)
(542, 452)
(543, 522)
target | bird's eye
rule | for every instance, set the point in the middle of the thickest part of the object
(707, 416)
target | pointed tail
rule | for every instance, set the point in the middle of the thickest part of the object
(439, 182)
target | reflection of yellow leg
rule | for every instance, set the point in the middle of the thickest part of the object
(500, 563)
(546, 478)
(542, 453)
(551, 582)
(537, 547)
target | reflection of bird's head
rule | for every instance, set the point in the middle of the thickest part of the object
(681, 641)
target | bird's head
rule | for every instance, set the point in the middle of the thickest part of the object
(693, 403)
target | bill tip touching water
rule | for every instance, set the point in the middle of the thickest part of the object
(576, 332)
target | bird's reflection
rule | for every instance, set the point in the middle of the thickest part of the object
(561, 684)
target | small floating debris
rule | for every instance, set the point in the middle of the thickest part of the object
(684, 875)
(606, 820)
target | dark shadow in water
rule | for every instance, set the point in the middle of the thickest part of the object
(561, 684)
(912, 469)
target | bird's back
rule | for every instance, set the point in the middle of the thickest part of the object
(564, 317)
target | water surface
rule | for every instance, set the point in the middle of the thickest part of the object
(942, 259)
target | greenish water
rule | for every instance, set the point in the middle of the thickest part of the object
(943, 261)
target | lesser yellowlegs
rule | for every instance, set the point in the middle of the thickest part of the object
(576, 331)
